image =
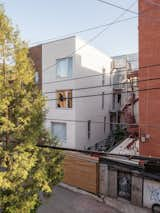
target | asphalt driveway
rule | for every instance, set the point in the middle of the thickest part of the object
(67, 201)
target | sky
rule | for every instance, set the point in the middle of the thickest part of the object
(40, 20)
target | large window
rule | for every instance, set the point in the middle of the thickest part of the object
(64, 67)
(59, 131)
(64, 99)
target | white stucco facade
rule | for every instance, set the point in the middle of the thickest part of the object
(86, 61)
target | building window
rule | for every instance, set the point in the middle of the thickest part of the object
(119, 117)
(59, 130)
(104, 124)
(64, 68)
(102, 100)
(114, 101)
(89, 129)
(36, 77)
(103, 76)
(119, 98)
(64, 99)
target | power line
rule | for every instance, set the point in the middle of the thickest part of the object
(117, 6)
(107, 85)
(91, 28)
(98, 153)
(111, 93)
(101, 74)
(97, 35)
(153, 3)
(102, 122)
(81, 31)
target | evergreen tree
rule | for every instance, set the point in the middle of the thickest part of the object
(25, 169)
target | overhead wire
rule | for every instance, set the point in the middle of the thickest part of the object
(117, 6)
(93, 28)
(111, 93)
(101, 74)
(107, 85)
(81, 31)
(102, 122)
(95, 36)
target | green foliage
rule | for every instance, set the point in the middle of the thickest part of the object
(119, 134)
(25, 170)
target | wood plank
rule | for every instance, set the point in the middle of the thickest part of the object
(82, 171)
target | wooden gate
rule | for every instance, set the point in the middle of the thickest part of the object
(81, 171)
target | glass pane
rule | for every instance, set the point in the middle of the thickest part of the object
(64, 67)
(59, 131)
(70, 67)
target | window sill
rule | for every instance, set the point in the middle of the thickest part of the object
(57, 108)
(63, 78)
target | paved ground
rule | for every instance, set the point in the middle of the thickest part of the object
(66, 201)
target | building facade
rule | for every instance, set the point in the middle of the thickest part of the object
(72, 79)
(149, 95)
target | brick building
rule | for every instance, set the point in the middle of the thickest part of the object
(149, 63)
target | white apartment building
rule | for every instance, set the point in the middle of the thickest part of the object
(72, 74)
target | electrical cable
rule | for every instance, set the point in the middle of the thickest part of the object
(101, 74)
(98, 153)
(95, 36)
(111, 93)
(80, 31)
(102, 122)
(117, 6)
(106, 85)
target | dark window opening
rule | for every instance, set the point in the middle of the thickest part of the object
(119, 98)
(113, 101)
(102, 100)
(104, 124)
(89, 129)
(119, 117)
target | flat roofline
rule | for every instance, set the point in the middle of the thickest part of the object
(51, 41)
(70, 37)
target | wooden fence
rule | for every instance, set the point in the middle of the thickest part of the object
(81, 171)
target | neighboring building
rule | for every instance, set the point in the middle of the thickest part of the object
(149, 63)
(62, 67)
(124, 76)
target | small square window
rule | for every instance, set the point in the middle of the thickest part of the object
(64, 68)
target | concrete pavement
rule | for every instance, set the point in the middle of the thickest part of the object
(67, 201)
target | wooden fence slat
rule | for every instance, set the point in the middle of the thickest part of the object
(81, 171)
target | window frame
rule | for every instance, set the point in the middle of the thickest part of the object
(67, 99)
(69, 75)
(63, 123)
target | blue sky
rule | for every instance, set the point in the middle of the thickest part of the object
(40, 20)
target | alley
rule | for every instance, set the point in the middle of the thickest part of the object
(66, 201)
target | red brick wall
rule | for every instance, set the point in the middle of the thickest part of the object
(36, 55)
(149, 55)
